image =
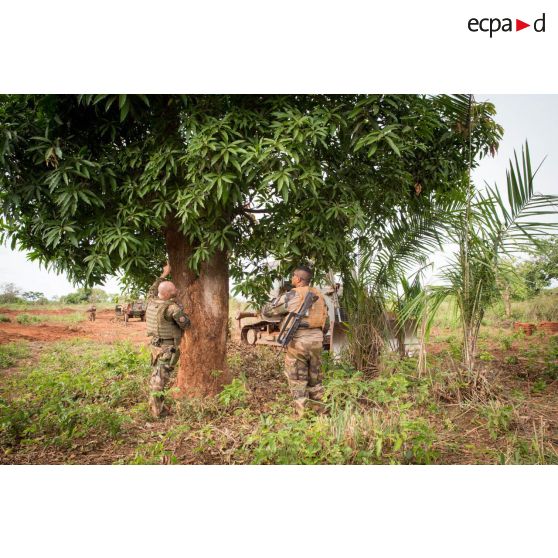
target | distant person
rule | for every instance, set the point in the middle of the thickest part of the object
(303, 359)
(166, 321)
(92, 311)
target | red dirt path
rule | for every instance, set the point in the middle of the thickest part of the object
(104, 329)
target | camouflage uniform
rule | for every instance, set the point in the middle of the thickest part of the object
(165, 322)
(92, 312)
(303, 359)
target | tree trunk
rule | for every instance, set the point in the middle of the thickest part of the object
(470, 338)
(506, 295)
(202, 368)
(469, 348)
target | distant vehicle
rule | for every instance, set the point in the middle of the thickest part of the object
(131, 310)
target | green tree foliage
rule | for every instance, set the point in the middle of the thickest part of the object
(10, 293)
(34, 296)
(541, 269)
(90, 183)
(93, 185)
(84, 294)
(487, 230)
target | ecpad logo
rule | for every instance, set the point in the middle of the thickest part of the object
(494, 24)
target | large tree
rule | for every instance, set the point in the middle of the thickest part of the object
(98, 184)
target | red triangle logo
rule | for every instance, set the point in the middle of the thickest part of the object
(519, 25)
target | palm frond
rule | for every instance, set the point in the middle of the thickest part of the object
(515, 223)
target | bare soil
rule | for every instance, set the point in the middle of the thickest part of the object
(106, 328)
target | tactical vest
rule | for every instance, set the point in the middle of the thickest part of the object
(157, 324)
(317, 315)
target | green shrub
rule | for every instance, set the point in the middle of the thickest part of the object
(506, 343)
(342, 387)
(347, 436)
(539, 386)
(288, 441)
(498, 417)
(234, 393)
(25, 319)
(4, 318)
(455, 349)
(512, 359)
(485, 356)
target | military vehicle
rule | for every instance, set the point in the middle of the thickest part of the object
(131, 310)
(256, 329)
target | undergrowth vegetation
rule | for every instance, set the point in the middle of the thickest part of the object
(85, 402)
(76, 389)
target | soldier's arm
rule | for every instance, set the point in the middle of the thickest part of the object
(176, 313)
(281, 306)
(154, 289)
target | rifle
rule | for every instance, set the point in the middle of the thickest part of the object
(292, 323)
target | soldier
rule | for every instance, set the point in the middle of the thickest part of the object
(166, 320)
(303, 366)
(92, 312)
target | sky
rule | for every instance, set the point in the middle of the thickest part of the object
(524, 117)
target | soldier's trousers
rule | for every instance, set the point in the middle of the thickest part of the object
(303, 368)
(163, 361)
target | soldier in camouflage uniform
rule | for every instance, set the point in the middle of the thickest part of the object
(303, 360)
(92, 311)
(166, 320)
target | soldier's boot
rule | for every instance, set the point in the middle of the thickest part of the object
(315, 394)
(156, 405)
(317, 406)
(299, 406)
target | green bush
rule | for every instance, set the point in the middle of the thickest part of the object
(485, 356)
(347, 436)
(506, 342)
(234, 393)
(28, 319)
(4, 318)
(498, 417)
(288, 441)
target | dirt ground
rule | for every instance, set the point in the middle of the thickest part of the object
(104, 329)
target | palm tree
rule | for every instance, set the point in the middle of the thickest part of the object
(490, 229)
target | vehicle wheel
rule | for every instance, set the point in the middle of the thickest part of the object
(251, 337)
